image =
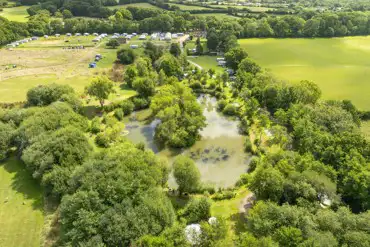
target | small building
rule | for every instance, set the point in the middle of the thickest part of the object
(134, 46)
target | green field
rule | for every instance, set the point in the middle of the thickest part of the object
(340, 66)
(217, 15)
(187, 7)
(16, 13)
(207, 62)
(139, 5)
(254, 9)
(21, 206)
(44, 61)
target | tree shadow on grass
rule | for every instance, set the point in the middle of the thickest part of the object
(23, 182)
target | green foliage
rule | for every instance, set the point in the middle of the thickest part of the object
(113, 43)
(169, 64)
(126, 56)
(144, 86)
(118, 113)
(43, 95)
(180, 114)
(234, 57)
(95, 126)
(130, 74)
(6, 135)
(100, 88)
(267, 183)
(127, 107)
(197, 209)
(175, 49)
(52, 157)
(186, 174)
(230, 109)
(123, 176)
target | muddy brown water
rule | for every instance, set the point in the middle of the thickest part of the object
(218, 154)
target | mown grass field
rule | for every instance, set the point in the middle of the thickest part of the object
(21, 206)
(340, 66)
(15, 13)
(45, 61)
(187, 7)
(217, 15)
(207, 62)
(254, 9)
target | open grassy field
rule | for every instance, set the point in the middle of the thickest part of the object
(21, 206)
(340, 66)
(207, 62)
(45, 61)
(365, 127)
(187, 7)
(15, 13)
(252, 8)
(139, 5)
(217, 15)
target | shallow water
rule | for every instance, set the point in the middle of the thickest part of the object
(219, 154)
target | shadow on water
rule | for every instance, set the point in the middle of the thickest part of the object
(23, 182)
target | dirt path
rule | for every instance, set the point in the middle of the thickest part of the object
(246, 203)
(195, 64)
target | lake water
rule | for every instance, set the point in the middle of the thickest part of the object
(218, 154)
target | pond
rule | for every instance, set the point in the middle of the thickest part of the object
(218, 154)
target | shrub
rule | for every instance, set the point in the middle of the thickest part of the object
(197, 209)
(253, 164)
(248, 145)
(95, 125)
(140, 103)
(224, 195)
(118, 113)
(221, 104)
(127, 107)
(196, 85)
(102, 140)
(243, 180)
(230, 110)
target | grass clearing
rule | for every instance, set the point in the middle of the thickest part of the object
(21, 206)
(207, 62)
(44, 61)
(340, 66)
(15, 13)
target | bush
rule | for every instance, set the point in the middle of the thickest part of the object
(196, 85)
(127, 107)
(253, 164)
(221, 104)
(102, 140)
(248, 145)
(230, 110)
(243, 180)
(197, 209)
(118, 113)
(140, 103)
(95, 125)
(126, 56)
(224, 195)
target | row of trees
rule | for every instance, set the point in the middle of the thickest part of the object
(318, 171)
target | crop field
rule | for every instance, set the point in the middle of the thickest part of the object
(48, 61)
(139, 5)
(15, 13)
(21, 206)
(340, 66)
